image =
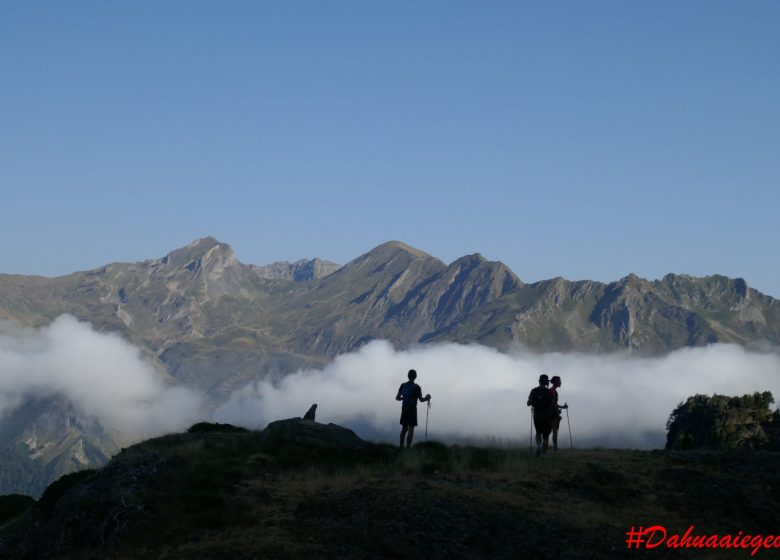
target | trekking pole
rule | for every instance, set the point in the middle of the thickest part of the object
(571, 441)
(427, 410)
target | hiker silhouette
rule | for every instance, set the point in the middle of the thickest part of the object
(410, 393)
(542, 402)
(556, 416)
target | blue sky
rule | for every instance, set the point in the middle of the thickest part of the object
(579, 139)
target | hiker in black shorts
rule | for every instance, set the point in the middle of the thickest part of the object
(409, 393)
(541, 399)
(556, 417)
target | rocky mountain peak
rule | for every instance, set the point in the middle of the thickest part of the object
(474, 259)
(392, 255)
(394, 250)
(201, 253)
(496, 269)
(396, 246)
(631, 280)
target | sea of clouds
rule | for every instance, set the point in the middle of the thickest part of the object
(479, 394)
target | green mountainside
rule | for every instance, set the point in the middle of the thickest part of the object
(212, 323)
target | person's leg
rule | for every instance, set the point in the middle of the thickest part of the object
(538, 428)
(410, 436)
(403, 433)
(546, 435)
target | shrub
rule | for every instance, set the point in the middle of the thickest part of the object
(720, 421)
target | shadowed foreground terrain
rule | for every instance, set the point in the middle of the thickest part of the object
(305, 490)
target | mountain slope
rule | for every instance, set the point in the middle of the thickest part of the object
(44, 439)
(298, 271)
(632, 313)
(212, 323)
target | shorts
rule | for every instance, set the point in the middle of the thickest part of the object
(543, 425)
(409, 416)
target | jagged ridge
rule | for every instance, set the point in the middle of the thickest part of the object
(213, 323)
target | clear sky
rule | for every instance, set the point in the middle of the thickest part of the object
(579, 139)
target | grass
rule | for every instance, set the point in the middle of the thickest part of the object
(224, 494)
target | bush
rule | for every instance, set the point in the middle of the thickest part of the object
(721, 422)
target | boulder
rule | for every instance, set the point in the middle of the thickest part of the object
(308, 433)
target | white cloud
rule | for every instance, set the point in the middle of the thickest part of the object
(478, 392)
(101, 374)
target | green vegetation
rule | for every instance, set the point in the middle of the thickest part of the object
(219, 493)
(723, 422)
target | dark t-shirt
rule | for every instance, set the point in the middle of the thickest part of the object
(411, 393)
(542, 401)
(555, 410)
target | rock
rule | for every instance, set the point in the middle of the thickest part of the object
(311, 412)
(308, 433)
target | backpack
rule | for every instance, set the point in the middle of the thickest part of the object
(541, 399)
(409, 394)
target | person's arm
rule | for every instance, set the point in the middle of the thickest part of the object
(399, 396)
(557, 406)
(426, 398)
(531, 394)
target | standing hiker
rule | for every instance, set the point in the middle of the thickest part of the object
(409, 393)
(556, 418)
(541, 399)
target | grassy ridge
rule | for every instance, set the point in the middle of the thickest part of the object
(232, 495)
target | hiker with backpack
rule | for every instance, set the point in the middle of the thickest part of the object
(556, 418)
(410, 393)
(542, 402)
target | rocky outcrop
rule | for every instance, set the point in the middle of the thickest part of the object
(308, 433)
(299, 271)
(311, 413)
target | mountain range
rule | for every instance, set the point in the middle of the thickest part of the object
(213, 323)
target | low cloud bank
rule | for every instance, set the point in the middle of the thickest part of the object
(615, 400)
(102, 375)
(478, 392)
